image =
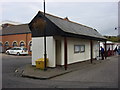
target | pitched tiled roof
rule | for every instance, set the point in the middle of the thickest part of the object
(72, 27)
(16, 29)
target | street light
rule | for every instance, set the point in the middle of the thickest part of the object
(45, 55)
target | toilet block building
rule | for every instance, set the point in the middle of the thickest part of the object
(67, 41)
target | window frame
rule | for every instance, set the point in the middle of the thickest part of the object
(76, 47)
(79, 48)
(6, 44)
(13, 44)
(22, 44)
(82, 46)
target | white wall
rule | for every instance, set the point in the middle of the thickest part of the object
(77, 57)
(38, 49)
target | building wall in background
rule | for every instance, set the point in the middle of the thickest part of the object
(18, 38)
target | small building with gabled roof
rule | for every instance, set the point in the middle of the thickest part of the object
(67, 41)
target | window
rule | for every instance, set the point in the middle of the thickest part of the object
(18, 48)
(79, 48)
(76, 48)
(82, 48)
(25, 49)
(15, 44)
(22, 44)
(6, 44)
(12, 48)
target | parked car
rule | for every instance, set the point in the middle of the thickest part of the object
(17, 51)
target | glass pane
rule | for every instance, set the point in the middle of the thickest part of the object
(82, 48)
(18, 48)
(22, 44)
(76, 48)
(6, 44)
(24, 48)
(14, 44)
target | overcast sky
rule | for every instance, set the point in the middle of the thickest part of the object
(102, 16)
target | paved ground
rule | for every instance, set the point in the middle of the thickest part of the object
(102, 75)
(33, 72)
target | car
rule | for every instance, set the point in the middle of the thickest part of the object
(17, 51)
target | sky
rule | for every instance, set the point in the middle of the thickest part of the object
(100, 15)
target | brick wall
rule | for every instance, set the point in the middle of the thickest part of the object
(26, 38)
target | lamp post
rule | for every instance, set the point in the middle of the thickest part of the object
(45, 55)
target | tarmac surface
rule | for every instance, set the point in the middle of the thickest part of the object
(99, 74)
(33, 72)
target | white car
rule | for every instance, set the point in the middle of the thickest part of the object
(17, 51)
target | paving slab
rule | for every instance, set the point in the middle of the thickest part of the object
(33, 72)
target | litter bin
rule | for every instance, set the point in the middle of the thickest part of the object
(40, 63)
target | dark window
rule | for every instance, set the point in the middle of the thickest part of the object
(18, 48)
(25, 49)
(12, 48)
(6, 44)
(22, 44)
(15, 44)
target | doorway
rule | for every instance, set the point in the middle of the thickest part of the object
(58, 52)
